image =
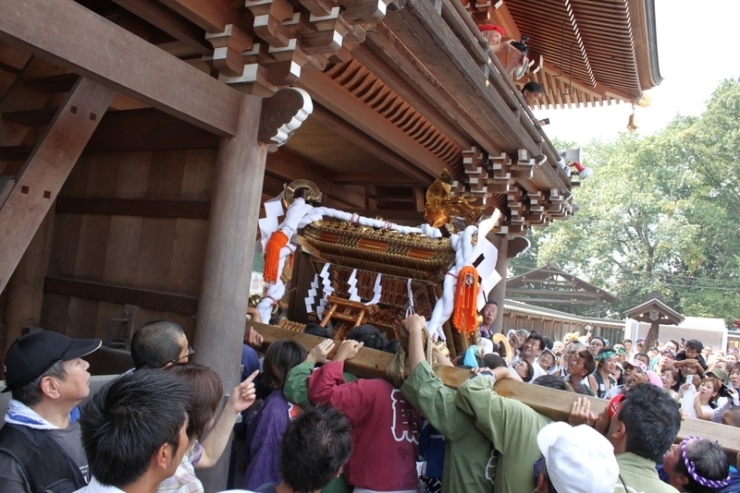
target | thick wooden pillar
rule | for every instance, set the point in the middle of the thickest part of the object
(498, 292)
(222, 306)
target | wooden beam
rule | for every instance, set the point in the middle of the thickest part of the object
(373, 179)
(154, 300)
(289, 167)
(187, 209)
(68, 34)
(211, 15)
(355, 112)
(555, 404)
(392, 78)
(52, 84)
(170, 22)
(354, 134)
(548, 292)
(46, 170)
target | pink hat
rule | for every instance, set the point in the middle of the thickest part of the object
(641, 367)
(654, 379)
(492, 27)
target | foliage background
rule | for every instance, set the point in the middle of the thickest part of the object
(659, 214)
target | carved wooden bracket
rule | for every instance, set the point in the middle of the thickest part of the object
(227, 50)
(281, 115)
(290, 35)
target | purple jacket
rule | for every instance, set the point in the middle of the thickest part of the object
(264, 433)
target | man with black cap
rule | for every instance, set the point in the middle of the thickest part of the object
(40, 448)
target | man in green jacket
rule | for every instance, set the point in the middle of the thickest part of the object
(641, 424)
(470, 462)
(506, 425)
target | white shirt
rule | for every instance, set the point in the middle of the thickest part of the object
(94, 487)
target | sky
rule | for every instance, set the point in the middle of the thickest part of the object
(697, 49)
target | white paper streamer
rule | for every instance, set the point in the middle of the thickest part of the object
(327, 288)
(377, 292)
(312, 292)
(352, 283)
(410, 293)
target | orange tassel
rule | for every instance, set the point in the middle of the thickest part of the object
(465, 316)
(277, 241)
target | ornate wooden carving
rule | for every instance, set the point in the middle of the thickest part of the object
(281, 115)
(494, 181)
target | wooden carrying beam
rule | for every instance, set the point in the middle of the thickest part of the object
(46, 170)
(72, 36)
(555, 404)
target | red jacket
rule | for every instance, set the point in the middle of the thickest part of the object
(386, 428)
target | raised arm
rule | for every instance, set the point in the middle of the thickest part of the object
(242, 396)
(295, 388)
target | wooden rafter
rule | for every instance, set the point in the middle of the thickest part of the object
(67, 34)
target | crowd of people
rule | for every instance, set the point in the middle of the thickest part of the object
(311, 426)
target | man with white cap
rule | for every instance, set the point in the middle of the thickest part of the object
(575, 460)
(641, 425)
(40, 448)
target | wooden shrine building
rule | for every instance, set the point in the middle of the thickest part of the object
(551, 287)
(138, 138)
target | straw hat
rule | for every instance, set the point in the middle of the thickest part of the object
(504, 344)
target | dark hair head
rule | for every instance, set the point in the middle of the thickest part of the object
(603, 342)
(551, 382)
(588, 360)
(734, 416)
(539, 338)
(652, 420)
(626, 341)
(314, 447)
(369, 335)
(605, 349)
(31, 393)
(493, 361)
(206, 391)
(128, 420)
(530, 370)
(710, 463)
(548, 342)
(280, 357)
(392, 346)
(317, 330)
(533, 87)
(694, 344)
(644, 358)
(491, 302)
(155, 344)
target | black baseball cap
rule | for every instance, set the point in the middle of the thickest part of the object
(32, 354)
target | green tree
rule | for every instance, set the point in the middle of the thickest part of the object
(659, 214)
